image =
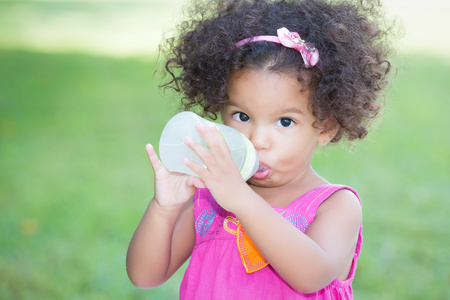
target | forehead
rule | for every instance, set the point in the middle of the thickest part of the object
(267, 90)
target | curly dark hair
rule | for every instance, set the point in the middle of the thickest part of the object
(347, 85)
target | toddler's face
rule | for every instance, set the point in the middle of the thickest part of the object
(270, 110)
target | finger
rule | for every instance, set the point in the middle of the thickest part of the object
(153, 157)
(201, 151)
(197, 168)
(213, 138)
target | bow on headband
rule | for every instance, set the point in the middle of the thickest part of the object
(288, 39)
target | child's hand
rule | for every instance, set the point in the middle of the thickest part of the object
(172, 189)
(220, 174)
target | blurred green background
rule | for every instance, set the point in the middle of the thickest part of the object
(79, 101)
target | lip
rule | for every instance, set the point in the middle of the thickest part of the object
(262, 172)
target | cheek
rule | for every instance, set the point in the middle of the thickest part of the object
(239, 126)
(290, 158)
(287, 152)
(230, 123)
(295, 151)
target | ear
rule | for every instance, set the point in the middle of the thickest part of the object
(329, 129)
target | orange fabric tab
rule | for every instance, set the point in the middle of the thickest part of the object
(251, 257)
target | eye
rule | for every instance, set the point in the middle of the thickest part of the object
(285, 122)
(241, 117)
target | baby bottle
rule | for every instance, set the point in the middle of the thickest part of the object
(172, 148)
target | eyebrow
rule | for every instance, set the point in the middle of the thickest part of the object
(291, 110)
(230, 102)
(282, 111)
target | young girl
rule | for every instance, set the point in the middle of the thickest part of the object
(289, 75)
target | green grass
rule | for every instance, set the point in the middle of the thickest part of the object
(75, 179)
(402, 172)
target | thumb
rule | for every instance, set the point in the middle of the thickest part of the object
(196, 182)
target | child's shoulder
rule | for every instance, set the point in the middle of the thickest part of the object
(338, 195)
(310, 202)
(340, 205)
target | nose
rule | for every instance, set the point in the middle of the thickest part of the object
(259, 137)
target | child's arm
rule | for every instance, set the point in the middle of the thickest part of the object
(164, 238)
(308, 262)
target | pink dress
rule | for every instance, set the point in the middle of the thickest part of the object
(216, 271)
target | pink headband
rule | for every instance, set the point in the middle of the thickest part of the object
(288, 39)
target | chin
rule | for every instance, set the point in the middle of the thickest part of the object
(260, 182)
